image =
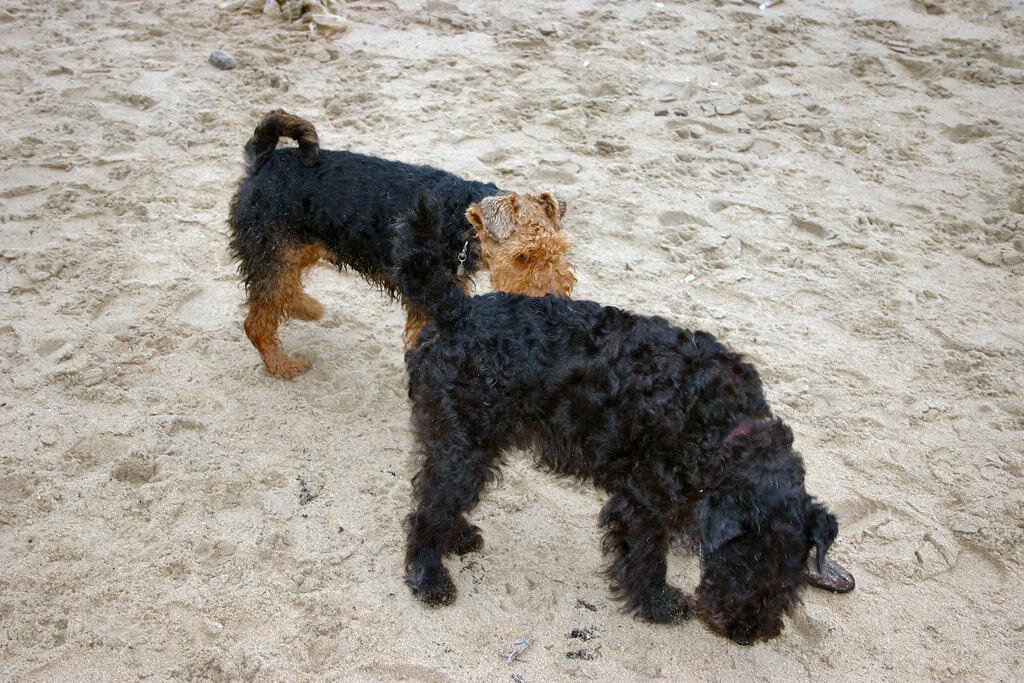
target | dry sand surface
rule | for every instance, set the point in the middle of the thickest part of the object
(842, 201)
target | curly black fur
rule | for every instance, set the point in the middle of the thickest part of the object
(342, 201)
(670, 423)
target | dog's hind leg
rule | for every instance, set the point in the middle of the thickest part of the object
(447, 485)
(302, 305)
(261, 327)
(270, 298)
(305, 307)
(637, 539)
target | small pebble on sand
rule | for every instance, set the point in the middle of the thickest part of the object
(222, 60)
(726, 108)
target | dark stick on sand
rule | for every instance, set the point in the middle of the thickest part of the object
(832, 576)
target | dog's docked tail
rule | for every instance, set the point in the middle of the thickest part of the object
(277, 124)
(418, 267)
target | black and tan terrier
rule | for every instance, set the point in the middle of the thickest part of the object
(294, 207)
(670, 423)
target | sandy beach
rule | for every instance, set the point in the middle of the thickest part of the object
(835, 189)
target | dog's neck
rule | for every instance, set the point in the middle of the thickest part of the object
(737, 452)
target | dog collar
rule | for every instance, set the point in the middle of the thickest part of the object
(743, 429)
(463, 255)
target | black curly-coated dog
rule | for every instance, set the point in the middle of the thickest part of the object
(294, 207)
(670, 423)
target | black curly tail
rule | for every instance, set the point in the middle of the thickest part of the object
(277, 124)
(418, 267)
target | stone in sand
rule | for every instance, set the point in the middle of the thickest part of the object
(222, 60)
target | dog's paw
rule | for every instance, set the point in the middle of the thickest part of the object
(432, 585)
(287, 368)
(666, 605)
(468, 539)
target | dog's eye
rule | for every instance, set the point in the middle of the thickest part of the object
(523, 258)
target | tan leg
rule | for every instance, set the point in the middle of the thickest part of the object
(261, 327)
(305, 307)
(413, 324)
(284, 297)
(300, 304)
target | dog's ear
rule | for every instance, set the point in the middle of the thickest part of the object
(717, 525)
(494, 216)
(822, 528)
(553, 205)
(475, 218)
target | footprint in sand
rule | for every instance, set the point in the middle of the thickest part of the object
(10, 342)
(134, 100)
(812, 630)
(555, 176)
(674, 218)
(966, 132)
(813, 229)
(136, 469)
(935, 555)
(762, 148)
(920, 69)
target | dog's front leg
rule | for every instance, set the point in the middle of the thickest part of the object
(464, 537)
(448, 485)
(637, 540)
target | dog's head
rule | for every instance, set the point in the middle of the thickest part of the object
(522, 243)
(757, 528)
